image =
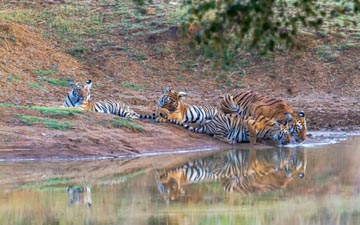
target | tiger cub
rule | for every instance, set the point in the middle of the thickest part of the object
(240, 129)
(171, 106)
(250, 103)
(79, 96)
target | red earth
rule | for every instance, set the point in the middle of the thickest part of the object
(326, 89)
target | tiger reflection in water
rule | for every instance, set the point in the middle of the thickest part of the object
(242, 171)
(79, 195)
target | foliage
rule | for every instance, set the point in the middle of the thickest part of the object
(263, 23)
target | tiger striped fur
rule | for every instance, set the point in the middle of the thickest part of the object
(240, 129)
(264, 170)
(250, 103)
(170, 182)
(242, 171)
(79, 96)
(171, 106)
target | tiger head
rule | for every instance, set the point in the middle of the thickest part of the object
(170, 184)
(281, 133)
(79, 195)
(295, 164)
(297, 126)
(78, 94)
(170, 99)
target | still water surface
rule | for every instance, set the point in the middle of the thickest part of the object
(314, 183)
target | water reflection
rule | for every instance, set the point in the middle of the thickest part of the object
(256, 187)
(79, 195)
(242, 171)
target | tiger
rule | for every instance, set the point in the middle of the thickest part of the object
(79, 96)
(239, 129)
(253, 104)
(171, 106)
(242, 171)
(170, 182)
(265, 171)
(79, 195)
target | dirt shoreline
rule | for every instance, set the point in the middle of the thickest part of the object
(33, 70)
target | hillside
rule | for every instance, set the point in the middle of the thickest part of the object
(132, 55)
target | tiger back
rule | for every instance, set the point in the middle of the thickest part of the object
(171, 106)
(239, 129)
(253, 104)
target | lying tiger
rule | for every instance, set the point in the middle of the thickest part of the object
(250, 103)
(79, 96)
(170, 182)
(242, 171)
(171, 106)
(240, 129)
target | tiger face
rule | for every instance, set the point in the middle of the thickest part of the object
(281, 133)
(170, 99)
(78, 94)
(297, 127)
(170, 184)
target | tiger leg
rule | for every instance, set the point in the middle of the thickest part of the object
(252, 133)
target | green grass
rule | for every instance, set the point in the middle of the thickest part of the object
(49, 184)
(63, 82)
(13, 79)
(120, 123)
(36, 86)
(326, 53)
(77, 51)
(48, 111)
(49, 123)
(45, 72)
(56, 111)
(134, 86)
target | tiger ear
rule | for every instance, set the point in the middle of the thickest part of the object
(288, 117)
(71, 83)
(167, 89)
(277, 125)
(182, 95)
(301, 114)
(88, 85)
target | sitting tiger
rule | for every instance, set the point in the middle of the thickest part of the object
(79, 96)
(170, 105)
(253, 104)
(240, 129)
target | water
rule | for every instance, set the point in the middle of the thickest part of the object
(316, 183)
